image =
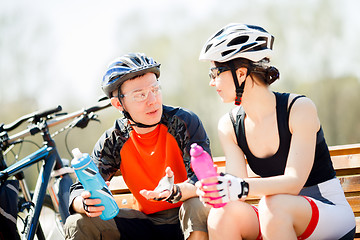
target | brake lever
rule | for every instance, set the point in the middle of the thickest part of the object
(83, 121)
(94, 117)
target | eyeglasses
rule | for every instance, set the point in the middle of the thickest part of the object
(216, 71)
(140, 95)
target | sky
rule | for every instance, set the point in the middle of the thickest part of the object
(71, 42)
(58, 51)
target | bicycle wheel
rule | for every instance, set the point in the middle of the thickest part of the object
(49, 220)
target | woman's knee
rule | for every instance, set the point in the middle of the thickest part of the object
(233, 210)
(271, 203)
(235, 219)
(274, 209)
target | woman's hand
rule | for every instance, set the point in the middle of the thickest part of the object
(221, 189)
(208, 192)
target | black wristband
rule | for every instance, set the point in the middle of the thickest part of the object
(175, 195)
(245, 190)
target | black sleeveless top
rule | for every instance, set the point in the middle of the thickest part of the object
(322, 169)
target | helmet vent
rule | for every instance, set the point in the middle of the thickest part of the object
(227, 52)
(220, 42)
(207, 47)
(137, 60)
(238, 40)
(247, 46)
(261, 39)
(218, 33)
(260, 47)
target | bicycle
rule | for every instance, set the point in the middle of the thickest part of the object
(54, 175)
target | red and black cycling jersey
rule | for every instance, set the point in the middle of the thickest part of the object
(143, 158)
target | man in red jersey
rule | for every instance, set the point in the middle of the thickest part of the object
(150, 145)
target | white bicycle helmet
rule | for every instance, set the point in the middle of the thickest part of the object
(238, 41)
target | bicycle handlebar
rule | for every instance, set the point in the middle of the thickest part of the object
(52, 122)
(61, 119)
(35, 115)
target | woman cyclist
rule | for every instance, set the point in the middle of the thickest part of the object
(280, 136)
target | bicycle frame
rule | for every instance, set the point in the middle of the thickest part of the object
(52, 160)
(52, 167)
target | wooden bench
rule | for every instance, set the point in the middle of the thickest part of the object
(345, 158)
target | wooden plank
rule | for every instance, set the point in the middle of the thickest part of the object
(354, 203)
(347, 164)
(219, 161)
(118, 186)
(344, 149)
(126, 200)
(350, 184)
(346, 161)
(357, 235)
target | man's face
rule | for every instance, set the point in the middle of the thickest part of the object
(143, 99)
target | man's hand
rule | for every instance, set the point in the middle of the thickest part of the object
(164, 188)
(85, 204)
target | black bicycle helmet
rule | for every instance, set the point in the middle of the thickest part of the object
(127, 67)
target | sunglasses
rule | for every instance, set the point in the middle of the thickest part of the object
(141, 95)
(216, 71)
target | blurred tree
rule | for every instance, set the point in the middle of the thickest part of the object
(337, 101)
(308, 36)
(25, 60)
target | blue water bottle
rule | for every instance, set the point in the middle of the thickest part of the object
(89, 176)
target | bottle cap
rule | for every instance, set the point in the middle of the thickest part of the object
(79, 159)
(195, 150)
(77, 154)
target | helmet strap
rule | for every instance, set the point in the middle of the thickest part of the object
(128, 116)
(239, 89)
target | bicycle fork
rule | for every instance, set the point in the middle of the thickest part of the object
(27, 196)
(39, 195)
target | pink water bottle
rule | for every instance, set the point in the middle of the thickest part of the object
(203, 165)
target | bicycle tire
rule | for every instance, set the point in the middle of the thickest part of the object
(49, 220)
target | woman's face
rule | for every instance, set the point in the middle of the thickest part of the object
(221, 78)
